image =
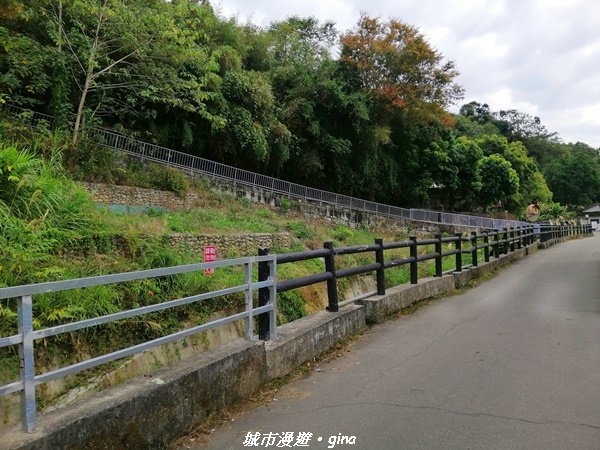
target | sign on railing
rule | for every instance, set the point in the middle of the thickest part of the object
(27, 335)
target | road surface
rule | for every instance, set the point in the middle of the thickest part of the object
(511, 364)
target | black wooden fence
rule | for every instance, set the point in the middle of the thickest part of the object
(493, 244)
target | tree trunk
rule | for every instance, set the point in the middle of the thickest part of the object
(84, 92)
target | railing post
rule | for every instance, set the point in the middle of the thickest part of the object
(458, 252)
(542, 233)
(249, 301)
(519, 238)
(331, 283)
(511, 235)
(264, 320)
(273, 299)
(414, 272)
(486, 249)
(474, 248)
(496, 244)
(530, 234)
(26, 355)
(438, 259)
(380, 259)
(505, 246)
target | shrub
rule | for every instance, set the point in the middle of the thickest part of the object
(342, 233)
(285, 205)
(290, 307)
(298, 229)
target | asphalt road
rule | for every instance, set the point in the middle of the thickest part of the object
(513, 363)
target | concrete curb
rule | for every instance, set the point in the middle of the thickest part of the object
(382, 307)
(303, 339)
(149, 412)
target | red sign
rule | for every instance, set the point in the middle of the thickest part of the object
(210, 255)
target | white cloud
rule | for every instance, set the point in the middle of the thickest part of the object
(538, 56)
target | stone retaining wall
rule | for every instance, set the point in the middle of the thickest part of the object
(228, 246)
(110, 194)
(244, 244)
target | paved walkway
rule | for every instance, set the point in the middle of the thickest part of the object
(513, 363)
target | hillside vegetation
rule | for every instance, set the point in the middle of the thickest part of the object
(50, 230)
(362, 111)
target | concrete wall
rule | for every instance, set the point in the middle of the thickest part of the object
(150, 411)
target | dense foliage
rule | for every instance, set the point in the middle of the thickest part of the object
(363, 112)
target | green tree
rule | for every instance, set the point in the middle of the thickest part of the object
(466, 178)
(575, 179)
(499, 181)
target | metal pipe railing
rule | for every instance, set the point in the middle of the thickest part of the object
(196, 165)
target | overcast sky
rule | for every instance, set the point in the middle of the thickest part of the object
(538, 56)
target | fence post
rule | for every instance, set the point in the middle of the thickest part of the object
(519, 238)
(249, 301)
(273, 299)
(486, 249)
(505, 246)
(26, 355)
(438, 259)
(458, 252)
(332, 282)
(530, 236)
(264, 321)
(496, 244)
(474, 248)
(414, 275)
(511, 235)
(542, 233)
(380, 259)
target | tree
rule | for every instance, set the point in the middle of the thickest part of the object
(532, 185)
(124, 52)
(517, 126)
(393, 61)
(302, 41)
(575, 179)
(499, 181)
(477, 112)
(466, 155)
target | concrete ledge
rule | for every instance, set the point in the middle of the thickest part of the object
(149, 412)
(461, 279)
(380, 307)
(303, 339)
(549, 243)
(531, 249)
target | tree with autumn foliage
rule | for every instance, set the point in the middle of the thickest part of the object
(394, 61)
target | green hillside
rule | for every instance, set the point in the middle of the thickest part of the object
(363, 112)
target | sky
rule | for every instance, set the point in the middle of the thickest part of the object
(541, 57)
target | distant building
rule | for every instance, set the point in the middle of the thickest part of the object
(592, 214)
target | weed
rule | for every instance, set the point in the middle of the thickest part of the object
(298, 229)
(342, 233)
(285, 205)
